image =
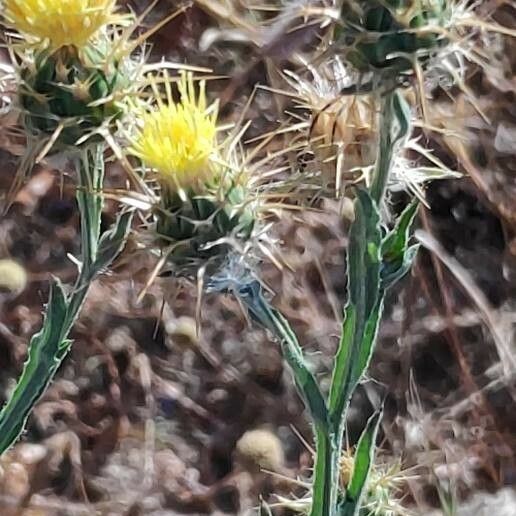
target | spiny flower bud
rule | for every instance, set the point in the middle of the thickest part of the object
(388, 36)
(70, 93)
(70, 68)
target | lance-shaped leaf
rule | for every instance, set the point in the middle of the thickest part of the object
(48, 348)
(46, 352)
(112, 242)
(363, 460)
(364, 307)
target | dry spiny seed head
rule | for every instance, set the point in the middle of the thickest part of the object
(343, 129)
(381, 496)
(387, 37)
(346, 127)
(204, 200)
(260, 448)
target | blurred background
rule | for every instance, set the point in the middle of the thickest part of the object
(147, 417)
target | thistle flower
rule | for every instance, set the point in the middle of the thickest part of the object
(59, 23)
(200, 195)
(178, 140)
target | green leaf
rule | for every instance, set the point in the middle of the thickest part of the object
(366, 349)
(50, 345)
(364, 307)
(363, 461)
(112, 242)
(90, 169)
(46, 351)
(397, 254)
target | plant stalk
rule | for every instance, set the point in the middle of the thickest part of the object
(385, 155)
(373, 264)
(326, 473)
(50, 345)
(362, 313)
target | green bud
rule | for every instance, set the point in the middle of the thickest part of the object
(388, 37)
(60, 87)
(192, 225)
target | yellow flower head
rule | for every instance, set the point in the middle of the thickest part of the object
(177, 139)
(58, 23)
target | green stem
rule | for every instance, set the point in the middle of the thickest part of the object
(326, 473)
(90, 168)
(386, 150)
(363, 311)
(261, 311)
(394, 128)
(50, 345)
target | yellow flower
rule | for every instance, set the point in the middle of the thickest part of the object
(177, 139)
(58, 23)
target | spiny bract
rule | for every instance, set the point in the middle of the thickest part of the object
(381, 497)
(70, 92)
(388, 37)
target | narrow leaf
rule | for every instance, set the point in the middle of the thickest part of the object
(112, 242)
(368, 340)
(396, 241)
(46, 351)
(397, 254)
(50, 345)
(343, 357)
(363, 461)
(365, 301)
